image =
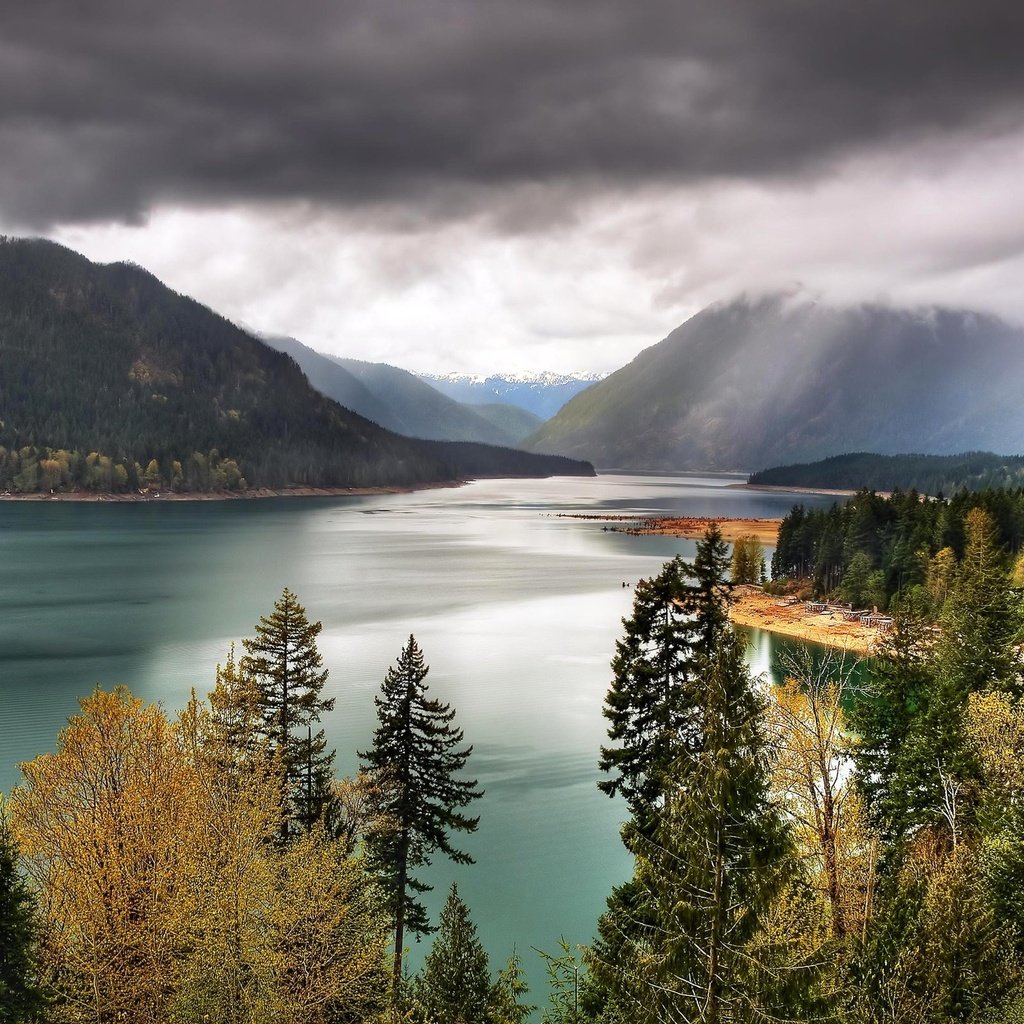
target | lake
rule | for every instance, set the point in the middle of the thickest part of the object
(517, 612)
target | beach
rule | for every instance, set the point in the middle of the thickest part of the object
(753, 607)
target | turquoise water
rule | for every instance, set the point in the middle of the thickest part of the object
(516, 609)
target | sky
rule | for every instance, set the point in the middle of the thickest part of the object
(514, 185)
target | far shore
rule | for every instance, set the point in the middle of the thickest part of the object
(130, 497)
(787, 489)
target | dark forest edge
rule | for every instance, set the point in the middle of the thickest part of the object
(928, 474)
(897, 552)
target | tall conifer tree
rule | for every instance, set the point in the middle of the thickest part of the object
(283, 660)
(20, 997)
(416, 756)
(709, 847)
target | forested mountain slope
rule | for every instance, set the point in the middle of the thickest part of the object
(108, 379)
(756, 383)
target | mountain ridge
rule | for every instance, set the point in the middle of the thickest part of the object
(775, 379)
(112, 381)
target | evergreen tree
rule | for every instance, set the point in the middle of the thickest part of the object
(713, 865)
(455, 985)
(677, 619)
(416, 758)
(20, 997)
(507, 994)
(883, 719)
(647, 700)
(285, 664)
(710, 849)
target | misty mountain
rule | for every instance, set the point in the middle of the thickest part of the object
(543, 394)
(107, 376)
(781, 379)
(398, 400)
(515, 421)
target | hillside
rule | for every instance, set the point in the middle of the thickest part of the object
(542, 394)
(418, 410)
(756, 383)
(927, 474)
(108, 380)
(518, 423)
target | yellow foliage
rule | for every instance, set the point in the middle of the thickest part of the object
(164, 893)
(995, 726)
(812, 781)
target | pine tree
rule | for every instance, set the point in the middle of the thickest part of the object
(455, 985)
(651, 704)
(20, 997)
(647, 699)
(715, 861)
(711, 851)
(416, 758)
(894, 785)
(287, 668)
(506, 1005)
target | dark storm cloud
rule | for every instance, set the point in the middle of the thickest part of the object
(108, 107)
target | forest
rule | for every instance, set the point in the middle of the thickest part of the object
(808, 851)
(887, 552)
(928, 474)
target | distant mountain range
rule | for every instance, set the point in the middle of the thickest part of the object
(542, 394)
(782, 379)
(402, 402)
(110, 380)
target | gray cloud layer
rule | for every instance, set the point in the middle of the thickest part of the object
(109, 108)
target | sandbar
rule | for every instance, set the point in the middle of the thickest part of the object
(752, 607)
(690, 527)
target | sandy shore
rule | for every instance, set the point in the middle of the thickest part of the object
(754, 608)
(690, 527)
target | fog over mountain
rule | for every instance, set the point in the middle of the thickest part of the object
(763, 381)
(471, 184)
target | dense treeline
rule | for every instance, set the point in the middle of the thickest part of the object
(873, 548)
(927, 474)
(809, 853)
(106, 361)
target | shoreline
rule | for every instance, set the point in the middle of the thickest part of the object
(145, 497)
(758, 610)
(687, 527)
(837, 492)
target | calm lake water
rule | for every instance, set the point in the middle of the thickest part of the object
(517, 612)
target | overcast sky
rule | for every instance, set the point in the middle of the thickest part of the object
(486, 185)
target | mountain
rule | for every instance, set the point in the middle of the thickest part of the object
(394, 398)
(516, 422)
(108, 380)
(543, 394)
(780, 379)
(927, 474)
